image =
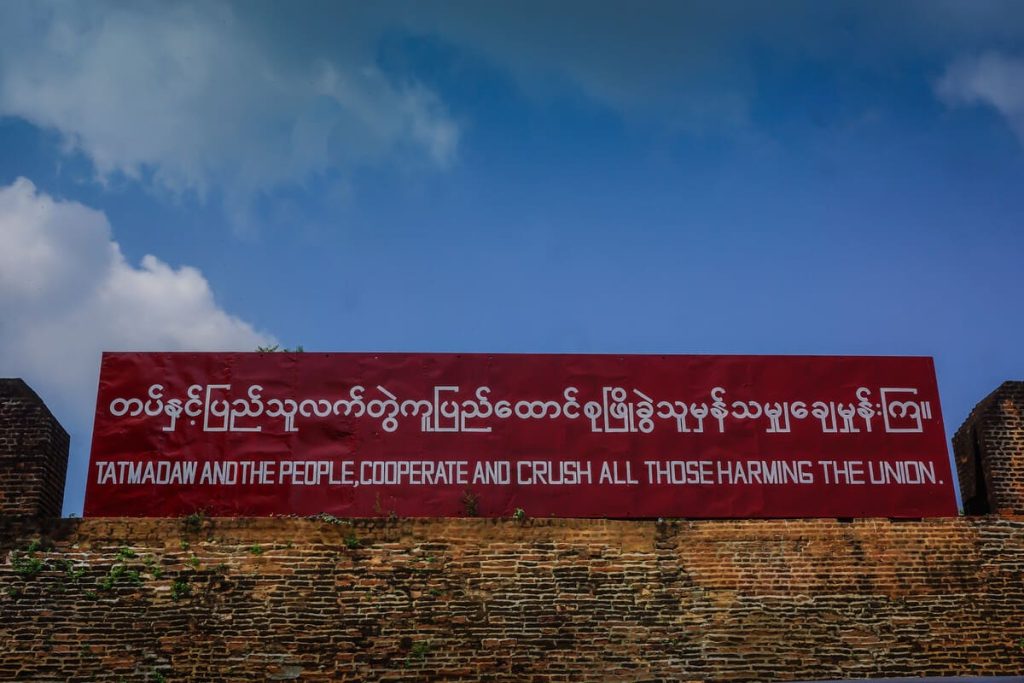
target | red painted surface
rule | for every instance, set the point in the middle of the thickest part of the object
(226, 414)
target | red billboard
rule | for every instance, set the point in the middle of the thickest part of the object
(633, 436)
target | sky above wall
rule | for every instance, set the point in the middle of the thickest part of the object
(789, 177)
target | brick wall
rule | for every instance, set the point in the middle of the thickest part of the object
(195, 599)
(472, 599)
(33, 454)
(989, 452)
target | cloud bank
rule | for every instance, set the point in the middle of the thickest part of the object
(190, 98)
(234, 101)
(67, 293)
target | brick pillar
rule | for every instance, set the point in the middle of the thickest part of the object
(989, 453)
(33, 454)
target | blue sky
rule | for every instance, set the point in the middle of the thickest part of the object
(825, 178)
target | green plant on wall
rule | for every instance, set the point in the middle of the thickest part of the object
(180, 589)
(418, 652)
(121, 572)
(153, 567)
(26, 564)
(194, 522)
(72, 571)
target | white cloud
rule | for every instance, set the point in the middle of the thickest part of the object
(237, 100)
(194, 98)
(67, 293)
(989, 79)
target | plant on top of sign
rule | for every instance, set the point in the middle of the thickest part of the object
(273, 348)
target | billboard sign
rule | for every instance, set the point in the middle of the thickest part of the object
(628, 436)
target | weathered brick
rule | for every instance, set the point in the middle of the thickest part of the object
(988, 448)
(33, 454)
